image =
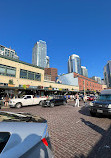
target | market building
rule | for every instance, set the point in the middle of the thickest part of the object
(20, 76)
(85, 84)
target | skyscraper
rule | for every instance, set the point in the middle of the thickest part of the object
(98, 79)
(39, 54)
(74, 64)
(84, 71)
(47, 62)
(107, 74)
(8, 52)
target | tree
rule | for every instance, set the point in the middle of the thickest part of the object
(50, 86)
(11, 81)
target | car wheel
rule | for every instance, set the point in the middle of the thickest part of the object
(52, 105)
(18, 105)
(92, 113)
(64, 103)
(41, 103)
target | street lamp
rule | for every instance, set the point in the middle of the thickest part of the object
(84, 87)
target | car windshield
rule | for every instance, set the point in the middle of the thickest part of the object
(4, 136)
(105, 97)
(50, 97)
(20, 117)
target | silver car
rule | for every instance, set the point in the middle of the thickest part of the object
(24, 135)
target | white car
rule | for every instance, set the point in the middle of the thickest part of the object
(25, 101)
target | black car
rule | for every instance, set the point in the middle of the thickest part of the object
(54, 100)
(102, 105)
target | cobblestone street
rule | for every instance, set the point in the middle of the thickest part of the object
(74, 133)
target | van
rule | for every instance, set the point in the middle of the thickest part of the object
(102, 105)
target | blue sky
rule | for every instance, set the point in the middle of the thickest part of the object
(81, 27)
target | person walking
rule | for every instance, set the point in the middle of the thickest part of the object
(77, 100)
(6, 101)
(85, 100)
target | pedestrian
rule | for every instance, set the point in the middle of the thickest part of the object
(85, 100)
(77, 100)
(6, 100)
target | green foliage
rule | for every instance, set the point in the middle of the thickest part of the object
(10, 81)
(50, 86)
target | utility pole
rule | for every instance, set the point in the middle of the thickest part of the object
(84, 87)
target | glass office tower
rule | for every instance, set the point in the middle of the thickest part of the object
(47, 62)
(39, 54)
(74, 64)
(107, 74)
(84, 71)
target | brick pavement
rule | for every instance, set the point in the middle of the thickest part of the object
(74, 133)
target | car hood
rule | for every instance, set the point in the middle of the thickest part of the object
(23, 136)
(16, 100)
(102, 102)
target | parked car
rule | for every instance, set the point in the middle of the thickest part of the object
(91, 98)
(102, 105)
(24, 135)
(25, 101)
(55, 100)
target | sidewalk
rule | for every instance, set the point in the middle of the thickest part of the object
(4, 107)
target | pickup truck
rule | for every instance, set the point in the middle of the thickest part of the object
(25, 101)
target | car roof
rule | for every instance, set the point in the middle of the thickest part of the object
(106, 91)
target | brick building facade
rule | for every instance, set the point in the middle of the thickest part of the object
(87, 83)
(52, 72)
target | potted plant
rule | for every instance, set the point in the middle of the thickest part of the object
(50, 87)
(11, 84)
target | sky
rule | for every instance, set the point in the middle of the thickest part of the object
(81, 27)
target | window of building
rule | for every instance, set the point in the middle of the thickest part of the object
(23, 73)
(7, 70)
(30, 75)
(2, 70)
(37, 76)
(11, 71)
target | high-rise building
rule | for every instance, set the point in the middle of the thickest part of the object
(47, 62)
(8, 52)
(74, 64)
(39, 54)
(107, 74)
(84, 71)
(98, 79)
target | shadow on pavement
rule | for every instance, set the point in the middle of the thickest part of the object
(102, 149)
(85, 111)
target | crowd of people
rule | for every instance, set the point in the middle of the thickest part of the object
(77, 97)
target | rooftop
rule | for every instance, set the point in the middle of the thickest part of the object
(18, 61)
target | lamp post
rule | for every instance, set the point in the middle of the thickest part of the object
(84, 87)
